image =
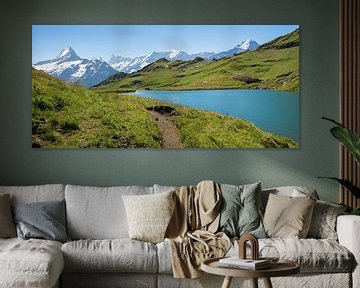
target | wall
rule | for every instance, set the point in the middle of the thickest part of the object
(318, 155)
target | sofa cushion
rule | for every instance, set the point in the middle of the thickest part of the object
(36, 193)
(291, 191)
(30, 263)
(323, 222)
(163, 188)
(287, 216)
(42, 220)
(98, 212)
(240, 210)
(313, 255)
(117, 255)
(149, 215)
(7, 226)
(164, 257)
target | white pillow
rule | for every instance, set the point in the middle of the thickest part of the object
(149, 215)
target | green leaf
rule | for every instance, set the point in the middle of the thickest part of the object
(333, 121)
(348, 138)
(355, 211)
(347, 184)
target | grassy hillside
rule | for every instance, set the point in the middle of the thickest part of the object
(205, 129)
(68, 115)
(274, 65)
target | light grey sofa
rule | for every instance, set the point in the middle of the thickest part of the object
(101, 255)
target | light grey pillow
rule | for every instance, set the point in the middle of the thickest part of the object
(240, 213)
(43, 220)
(323, 222)
(7, 227)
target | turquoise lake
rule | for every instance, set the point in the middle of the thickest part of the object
(273, 111)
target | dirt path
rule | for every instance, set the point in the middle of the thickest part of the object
(168, 130)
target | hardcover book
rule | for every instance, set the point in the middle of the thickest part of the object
(236, 262)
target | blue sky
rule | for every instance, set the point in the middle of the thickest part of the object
(136, 40)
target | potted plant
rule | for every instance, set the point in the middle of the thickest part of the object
(351, 141)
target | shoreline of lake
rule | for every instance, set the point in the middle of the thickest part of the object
(273, 111)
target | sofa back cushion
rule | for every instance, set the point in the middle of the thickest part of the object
(7, 227)
(290, 191)
(163, 188)
(36, 193)
(98, 212)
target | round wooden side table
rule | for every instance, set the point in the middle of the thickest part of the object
(281, 268)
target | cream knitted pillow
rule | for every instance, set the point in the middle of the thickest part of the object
(149, 215)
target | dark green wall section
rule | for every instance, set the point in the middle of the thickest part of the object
(318, 155)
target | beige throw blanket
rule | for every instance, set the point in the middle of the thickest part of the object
(191, 231)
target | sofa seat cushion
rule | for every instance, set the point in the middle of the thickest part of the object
(30, 263)
(313, 255)
(115, 255)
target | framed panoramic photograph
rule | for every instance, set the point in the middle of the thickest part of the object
(165, 86)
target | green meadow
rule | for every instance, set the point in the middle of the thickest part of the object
(67, 115)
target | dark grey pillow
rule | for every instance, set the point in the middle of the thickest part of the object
(44, 220)
(240, 213)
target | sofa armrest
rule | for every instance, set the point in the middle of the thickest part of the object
(348, 230)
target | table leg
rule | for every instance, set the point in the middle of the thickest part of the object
(267, 283)
(227, 282)
(254, 282)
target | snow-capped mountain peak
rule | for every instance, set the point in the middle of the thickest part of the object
(173, 53)
(242, 47)
(130, 65)
(67, 54)
(65, 51)
(97, 59)
(248, 44)
(68, 66)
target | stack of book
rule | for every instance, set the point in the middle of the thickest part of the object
(248, 264)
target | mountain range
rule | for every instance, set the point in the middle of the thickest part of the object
(272, 66)
(130, 65)
(68, 66)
